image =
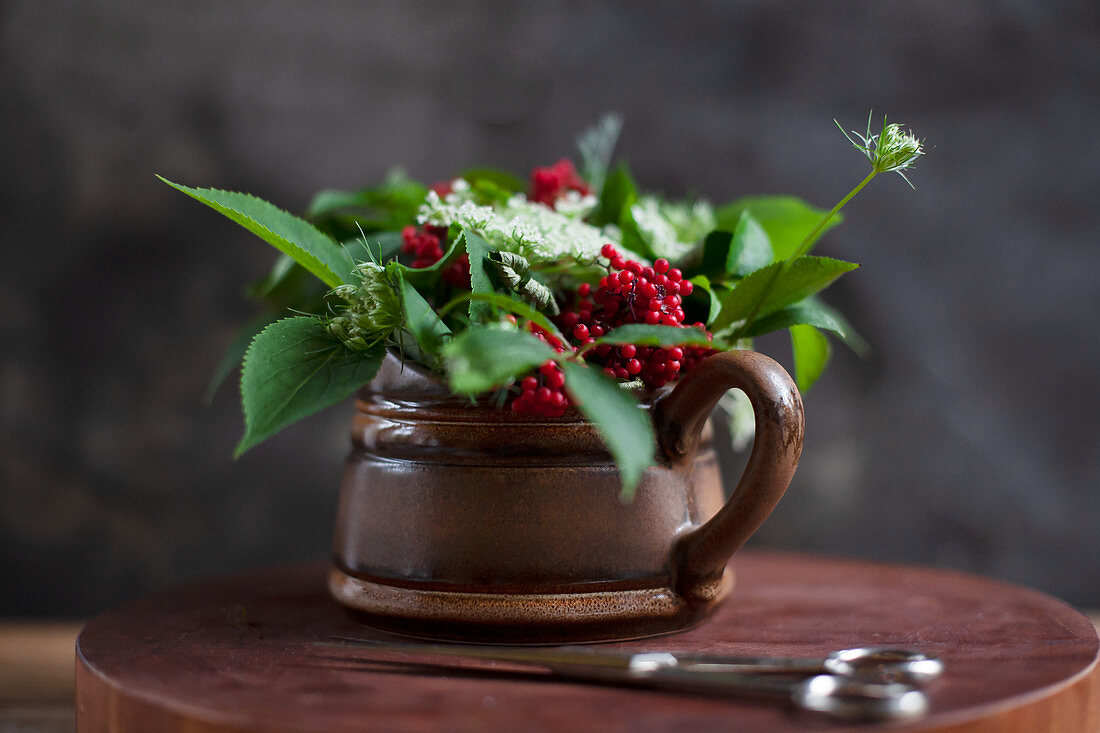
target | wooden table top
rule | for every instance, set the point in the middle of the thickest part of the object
(240, 653)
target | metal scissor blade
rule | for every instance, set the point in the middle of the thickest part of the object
(557, 658)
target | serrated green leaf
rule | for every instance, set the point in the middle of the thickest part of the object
(236, 350)
(750, 249)
(420, 319)
(786, 219)
(293, 369)
(480, 282)
(811, 353)
(625, 428)
(311, 248)
(736, 253)
(643, 334)
(802, 277)
(482, 358)
(804, 313)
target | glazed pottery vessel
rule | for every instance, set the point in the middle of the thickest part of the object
(462, 521)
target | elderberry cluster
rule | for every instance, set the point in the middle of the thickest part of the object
(551, 182)
(426, 246)
(634, 293)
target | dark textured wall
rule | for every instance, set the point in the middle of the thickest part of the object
(968, 438)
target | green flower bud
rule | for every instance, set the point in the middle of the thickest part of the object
(372, 312)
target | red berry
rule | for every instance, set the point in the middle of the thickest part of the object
(635, 267)
(676, 353)
(661, 265)
(580, 332)
(686, 287)
(555, 380)
(584, 290)
(618, 263)
(530, 384)
(633, 366)
(609, 251)
(628, 351)
(648, 272)
(545, 395)
(652, 317)
(625, 277)
(675, 275)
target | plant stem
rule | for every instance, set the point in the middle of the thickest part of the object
(802, 249)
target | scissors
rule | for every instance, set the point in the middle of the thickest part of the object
(877, 683)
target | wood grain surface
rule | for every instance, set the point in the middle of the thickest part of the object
(239, 653)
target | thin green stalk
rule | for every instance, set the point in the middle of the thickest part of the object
(806, 245)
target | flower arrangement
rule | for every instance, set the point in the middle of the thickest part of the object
(572, 291)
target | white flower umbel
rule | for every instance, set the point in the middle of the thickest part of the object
(574, 205)
(531, 229)
(672, 228)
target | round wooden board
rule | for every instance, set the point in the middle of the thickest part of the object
(239, 653)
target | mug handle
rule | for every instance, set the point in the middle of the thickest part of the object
(701, 555)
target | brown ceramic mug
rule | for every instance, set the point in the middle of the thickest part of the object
(459, 520)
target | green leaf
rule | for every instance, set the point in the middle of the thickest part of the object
(293, 369)
(811, 352)
(233, 355)
(625, 428)
(808, 312)
(802, 277)
(390, 205)
(751, 248)
(633, 239)
(643, 334)
(786, 219)
(596, 145)
(309, 247)
(482, 358)
(508, 303)
(711, 292)
(737, 253)
(618, 195)
(423, 277)
(421, 321)
(499, 179)
(480, 281)
(716, 250)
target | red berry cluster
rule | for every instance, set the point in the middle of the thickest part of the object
(543, 393)
(550, 183)
(633, 293)
(426, 247)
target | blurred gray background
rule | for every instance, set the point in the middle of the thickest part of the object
(967, 439)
